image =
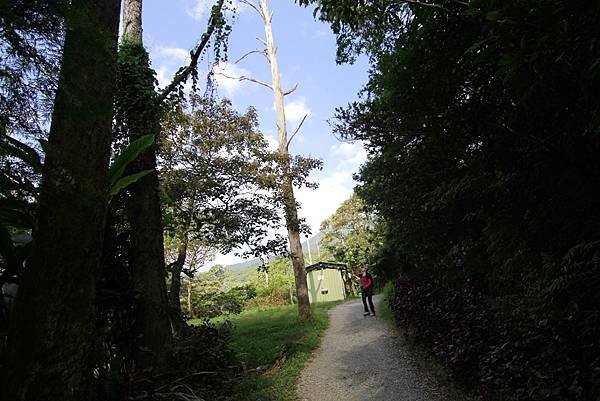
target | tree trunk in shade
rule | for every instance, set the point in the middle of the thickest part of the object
(153, 326)
(50, 350)
(189, 298)
(175, 290)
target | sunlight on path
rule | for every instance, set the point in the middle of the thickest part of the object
(361, 358)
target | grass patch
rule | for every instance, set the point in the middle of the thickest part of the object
(384, 307)
(274, 347)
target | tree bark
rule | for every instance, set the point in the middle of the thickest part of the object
(50, 352)
(153, 326)
(291, 212)
(177, 268)
(132, 20)
(189, 298)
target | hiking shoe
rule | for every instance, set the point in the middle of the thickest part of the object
(366, 314)
(373, 314)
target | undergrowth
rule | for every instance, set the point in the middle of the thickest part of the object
(423, 357)
(529, 354)
(272, 346)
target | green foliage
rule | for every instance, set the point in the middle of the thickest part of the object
(388, 294)
(217, 178)
(31, 41)
(21, 165)
(115, 172)
(210, 301)
(10, 147)
(353, 234)
(499, 193)
(220, 292)
(204, 361)
(275, 284)
(129, 154)
(124, 182)
(481, 123)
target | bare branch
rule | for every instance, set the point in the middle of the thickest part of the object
(183, 75)
(291, 90)
(250, 4)
(295, 132)
(262, 41)
(244, 78)
(263, 52)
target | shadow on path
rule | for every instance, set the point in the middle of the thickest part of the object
(361, 358)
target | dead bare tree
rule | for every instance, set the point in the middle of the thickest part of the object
(287, 189)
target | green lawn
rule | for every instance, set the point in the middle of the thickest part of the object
(274, 346)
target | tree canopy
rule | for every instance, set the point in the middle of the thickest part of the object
(352, 234)
(218, 177)
(481, 124)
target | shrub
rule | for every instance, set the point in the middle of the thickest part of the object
(271, 295)
(211, 302)
(533, 353)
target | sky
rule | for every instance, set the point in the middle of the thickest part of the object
(306, 56)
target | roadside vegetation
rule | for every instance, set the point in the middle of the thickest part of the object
(271, 346)
(480, 120)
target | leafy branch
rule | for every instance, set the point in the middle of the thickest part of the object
(214, 21)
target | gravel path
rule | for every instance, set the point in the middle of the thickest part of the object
(362, 359)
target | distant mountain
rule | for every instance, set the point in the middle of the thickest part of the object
(314, 249)
(249, 263)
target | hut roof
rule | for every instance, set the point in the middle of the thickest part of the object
(326, 265)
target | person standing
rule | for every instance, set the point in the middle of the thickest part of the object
(366, 283)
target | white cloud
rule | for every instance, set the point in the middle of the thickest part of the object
(162, 76)
(320, 33)
(350, 153)
(335, 188)
(271, 139)
(166, 61)
(225, 74)
(199, 9)
(173, 54)
(296, 110)
(319, 204)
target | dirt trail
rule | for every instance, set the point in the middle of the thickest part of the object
(363, 359)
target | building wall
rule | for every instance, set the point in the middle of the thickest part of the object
(325, 285)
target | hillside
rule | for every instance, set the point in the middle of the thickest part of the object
(243, 272)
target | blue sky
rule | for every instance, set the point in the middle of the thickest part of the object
(306, 54)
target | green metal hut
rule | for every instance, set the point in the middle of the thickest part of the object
(327, 281)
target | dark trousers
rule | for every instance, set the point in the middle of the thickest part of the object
(367, 294)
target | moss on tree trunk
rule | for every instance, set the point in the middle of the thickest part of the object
(50, 350)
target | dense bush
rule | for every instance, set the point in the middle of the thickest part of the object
(203, 366)
(211, 301)
(204, 360)
(271, 295)
(274, 284)
(532, 353)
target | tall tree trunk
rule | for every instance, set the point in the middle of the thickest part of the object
(190, 284)
(153, 327)
(291, 212)
(50, 352)
(177, 268)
